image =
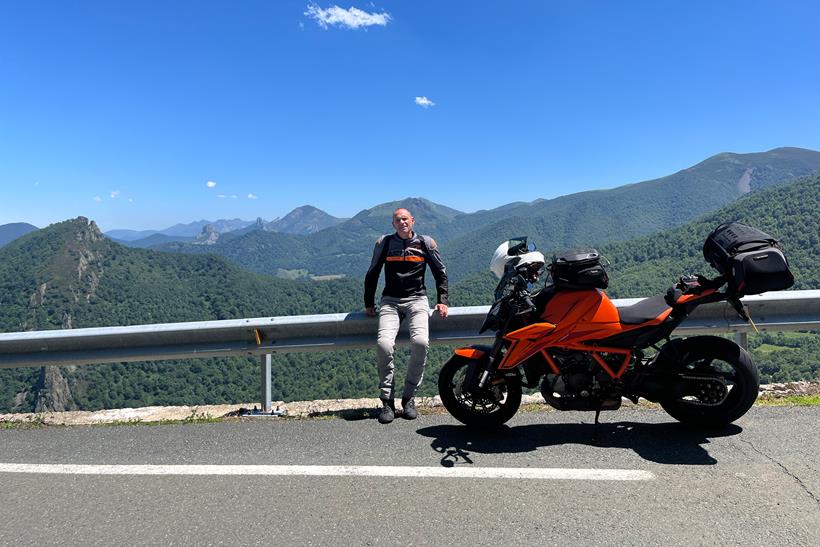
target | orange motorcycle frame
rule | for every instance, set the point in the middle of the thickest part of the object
(577, 320)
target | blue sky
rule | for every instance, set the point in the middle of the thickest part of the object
(124, 112)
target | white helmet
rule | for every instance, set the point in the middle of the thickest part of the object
(501, 257)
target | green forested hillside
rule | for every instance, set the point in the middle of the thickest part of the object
(599, 217)
(68, 272)
(69, 276)
(650, 264)
(788, 213)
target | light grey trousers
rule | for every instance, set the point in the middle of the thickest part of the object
(391, 312)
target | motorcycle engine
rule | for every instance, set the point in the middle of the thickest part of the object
(581, 385)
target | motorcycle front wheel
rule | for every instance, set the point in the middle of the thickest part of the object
(489, 407)
(721, 382)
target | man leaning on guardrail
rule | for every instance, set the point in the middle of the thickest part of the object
(404, 255)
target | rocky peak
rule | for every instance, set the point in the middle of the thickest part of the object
(87, 231)
(69, 276)
(208, 236)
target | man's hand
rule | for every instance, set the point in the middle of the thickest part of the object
(371, 311)
(442, 310)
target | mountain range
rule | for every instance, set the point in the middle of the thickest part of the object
(189, 230)
(302, 220)
(466, 239)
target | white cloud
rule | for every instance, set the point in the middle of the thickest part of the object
(252, 196)
(352, 18)
(424, 102)
(210, 184)
(97, 199)
(130, 200)
(115, 194)
(233, 196)
(221, 196)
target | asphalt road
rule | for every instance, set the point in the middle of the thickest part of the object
(758, 482)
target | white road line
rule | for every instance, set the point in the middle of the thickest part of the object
(334, 471)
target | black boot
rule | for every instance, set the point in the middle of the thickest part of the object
(408, 407)
(388, 412)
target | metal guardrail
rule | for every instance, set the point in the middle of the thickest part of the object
(263, 336)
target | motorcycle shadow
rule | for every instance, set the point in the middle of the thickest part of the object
(664, 443)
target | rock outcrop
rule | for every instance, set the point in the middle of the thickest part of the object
(53, 393)
(208, 236)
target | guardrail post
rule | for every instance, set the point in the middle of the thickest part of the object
(742, 339)
(267, 398)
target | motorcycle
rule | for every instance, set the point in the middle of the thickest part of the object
(583, 353)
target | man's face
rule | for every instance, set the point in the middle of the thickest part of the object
(403, 222)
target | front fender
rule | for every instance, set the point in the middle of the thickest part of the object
(474, 352)
(477, 359)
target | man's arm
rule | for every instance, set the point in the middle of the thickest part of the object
(439, 274)
(371, 278)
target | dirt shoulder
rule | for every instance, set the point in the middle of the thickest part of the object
(302, 409)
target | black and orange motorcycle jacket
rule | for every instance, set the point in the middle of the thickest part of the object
(405, 262)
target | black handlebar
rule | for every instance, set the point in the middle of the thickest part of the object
(527, 305)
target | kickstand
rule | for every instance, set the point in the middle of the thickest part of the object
(596, 427)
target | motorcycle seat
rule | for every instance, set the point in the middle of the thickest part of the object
(645, 310)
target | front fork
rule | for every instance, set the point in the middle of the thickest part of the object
(491, 364)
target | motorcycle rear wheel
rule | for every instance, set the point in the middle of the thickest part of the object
(722, 359)
(487, 408)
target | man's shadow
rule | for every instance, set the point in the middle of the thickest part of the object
(666, 443)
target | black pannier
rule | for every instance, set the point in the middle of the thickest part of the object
(750, 260)
(578, 269)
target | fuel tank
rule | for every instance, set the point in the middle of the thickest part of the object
(582, 307)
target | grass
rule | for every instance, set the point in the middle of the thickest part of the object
(38, 421)
(790, 400)
(22, 425)
(193, 418)
(771, 348)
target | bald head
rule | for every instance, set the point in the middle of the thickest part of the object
(403, 222)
